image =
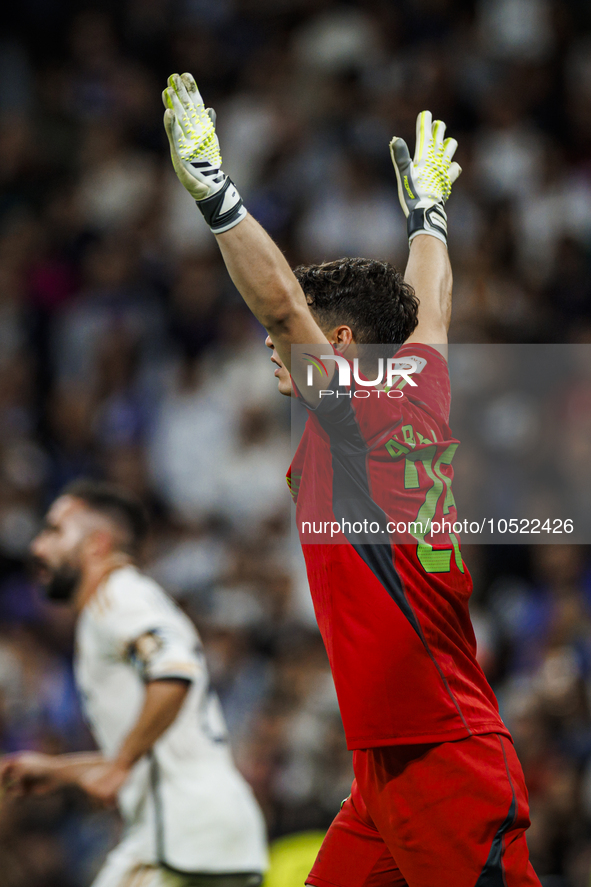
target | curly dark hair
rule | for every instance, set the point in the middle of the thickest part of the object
(370, 296)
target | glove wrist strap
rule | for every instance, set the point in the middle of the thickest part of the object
(224, 209)
(432, 220)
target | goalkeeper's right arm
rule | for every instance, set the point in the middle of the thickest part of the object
(257, 267)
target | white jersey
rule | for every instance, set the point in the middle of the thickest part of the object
(185, 804)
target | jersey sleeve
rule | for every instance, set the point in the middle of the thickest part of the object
(161, 654)
(141, 626)
(432, 392)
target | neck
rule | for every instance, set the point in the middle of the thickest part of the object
(95, 574)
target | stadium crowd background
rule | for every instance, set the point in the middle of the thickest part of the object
(125, 353)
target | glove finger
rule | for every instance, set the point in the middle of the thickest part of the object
(424, 125)
(181, 91)
(402, 166)
(175, 138)
(212, 115)
(193, 93)
(400, 153)
(192, 88)
(168, 124)
(454, 171)
(449, 148)
(172, 101)
(438, 131)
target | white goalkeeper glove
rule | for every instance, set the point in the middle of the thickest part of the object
(195, 153)
(424, 183)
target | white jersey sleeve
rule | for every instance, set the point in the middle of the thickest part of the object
(141, 626)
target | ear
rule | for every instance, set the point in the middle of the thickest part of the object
(341, 337)
(98, 544)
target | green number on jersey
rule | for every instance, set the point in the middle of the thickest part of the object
(433, 560)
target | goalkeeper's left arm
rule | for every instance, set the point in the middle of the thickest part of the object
(424, 184)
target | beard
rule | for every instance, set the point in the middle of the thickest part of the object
(61, 582)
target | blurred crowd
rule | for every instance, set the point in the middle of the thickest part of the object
(125, 353)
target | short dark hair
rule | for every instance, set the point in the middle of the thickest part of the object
(120, 505)
(370, 296)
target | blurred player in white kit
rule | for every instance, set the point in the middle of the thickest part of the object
(190, 818)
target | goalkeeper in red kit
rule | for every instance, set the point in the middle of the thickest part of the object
(439, 798)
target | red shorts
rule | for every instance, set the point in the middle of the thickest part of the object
(447, 815)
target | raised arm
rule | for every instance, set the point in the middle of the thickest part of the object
(429, 273)
(424, 184)
(267, 284)
(256, 265)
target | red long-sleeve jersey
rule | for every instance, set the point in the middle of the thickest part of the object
(394, 613)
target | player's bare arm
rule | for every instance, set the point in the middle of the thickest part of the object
(30, 772)
(429, 273)
(164, 700)
(35, 773)
(267, 284)
(256, 265)
(424, 184)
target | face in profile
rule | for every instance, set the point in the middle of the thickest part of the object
(56, 550)
(281, 373)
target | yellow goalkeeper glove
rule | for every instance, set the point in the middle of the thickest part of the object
(424, 183)
(196, 156)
